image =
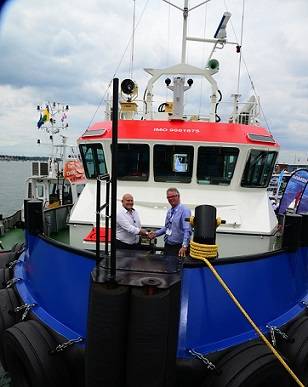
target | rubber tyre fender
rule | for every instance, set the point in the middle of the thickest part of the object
(5, 258)
(107, 336)
(249, 365)
(18, 248)
(27, 347)
(8, 317)
(5, 275)
(8, 256)
(75, 360)
(296, 348)
(148, 339)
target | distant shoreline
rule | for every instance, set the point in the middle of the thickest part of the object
(22, 158)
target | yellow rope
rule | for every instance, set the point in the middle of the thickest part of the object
(265, 340)
(199, 250)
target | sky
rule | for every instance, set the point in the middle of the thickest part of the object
(69, 51)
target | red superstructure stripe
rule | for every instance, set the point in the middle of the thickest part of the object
(183, 131)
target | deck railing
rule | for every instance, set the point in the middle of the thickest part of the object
(9, 222)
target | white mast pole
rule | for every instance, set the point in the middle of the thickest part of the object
(133, 41)
(184, 40)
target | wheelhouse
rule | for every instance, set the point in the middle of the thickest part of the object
(217, 164)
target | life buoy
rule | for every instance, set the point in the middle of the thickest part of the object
(248, 365)
(295, 349)
(27, 350)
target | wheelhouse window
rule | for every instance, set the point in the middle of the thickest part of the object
(216, 165)
(173, 163)
(259, 168)
(93, 160)
(133, 162)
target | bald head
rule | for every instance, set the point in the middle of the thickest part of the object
(128, 201)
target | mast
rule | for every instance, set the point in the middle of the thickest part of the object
(53, 119)
(184, 37)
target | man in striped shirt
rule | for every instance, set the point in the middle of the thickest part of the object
(176, 231)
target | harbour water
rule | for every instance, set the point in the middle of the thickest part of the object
(12, 191)
(12, 186)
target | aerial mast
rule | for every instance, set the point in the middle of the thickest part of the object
(53, 119)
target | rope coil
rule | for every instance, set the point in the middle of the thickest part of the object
(201, 251)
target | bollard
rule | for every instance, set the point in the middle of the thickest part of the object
(292, 232)
(34, 216)
(205, 225)
(304, 232)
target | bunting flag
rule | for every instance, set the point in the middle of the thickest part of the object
(40, 121)
(63, 117)
(46, 115)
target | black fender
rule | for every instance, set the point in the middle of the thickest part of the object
(27, 348)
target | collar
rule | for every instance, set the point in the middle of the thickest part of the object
(176, 207)
(129, 210)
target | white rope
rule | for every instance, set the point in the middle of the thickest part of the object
(241, 43)
(118, 66)
(203, 55)
(249, 76)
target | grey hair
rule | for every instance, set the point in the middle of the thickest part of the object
(173, 189)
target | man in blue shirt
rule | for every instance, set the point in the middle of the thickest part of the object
(177, 231)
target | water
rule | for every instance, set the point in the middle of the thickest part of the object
(12, 192)
(12, 188)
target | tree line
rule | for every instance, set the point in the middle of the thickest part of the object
(22, 158)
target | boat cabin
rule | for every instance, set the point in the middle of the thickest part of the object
(225, 165)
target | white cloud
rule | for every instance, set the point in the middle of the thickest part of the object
(68, 51)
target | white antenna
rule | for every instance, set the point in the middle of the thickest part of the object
(133, 42)
(221, 32)
(185, 11)
(240, 49)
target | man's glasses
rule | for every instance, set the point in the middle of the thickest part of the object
(172, 196)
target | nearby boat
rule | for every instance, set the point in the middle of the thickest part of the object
(124, 318)
(57, 182)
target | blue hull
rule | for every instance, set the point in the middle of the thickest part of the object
(270, 287)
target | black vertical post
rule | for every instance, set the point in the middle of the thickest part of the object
(114, 176)
(98, 223)
(107, 217)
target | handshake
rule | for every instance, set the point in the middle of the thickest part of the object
(148, 234)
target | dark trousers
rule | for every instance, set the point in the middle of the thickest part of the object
(123, 245)
(172, 249)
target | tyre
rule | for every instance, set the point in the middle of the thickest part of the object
(5, 275)
(295, 349)
(107, 336)
(249, 365)
(27, 347)
(8, 303)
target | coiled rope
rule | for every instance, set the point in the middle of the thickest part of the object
(200, 250)
(208, 251)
